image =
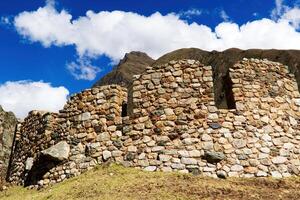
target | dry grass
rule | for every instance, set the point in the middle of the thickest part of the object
(115, 182)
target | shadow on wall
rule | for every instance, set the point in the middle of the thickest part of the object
(40, 167)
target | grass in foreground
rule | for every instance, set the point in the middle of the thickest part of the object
(116, 182)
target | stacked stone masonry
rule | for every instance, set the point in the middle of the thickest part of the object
(174, 126)
(8, 124)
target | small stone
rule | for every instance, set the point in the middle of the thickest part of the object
(221, 174)
(183, 153)
(236, 168)
(189, 161)
(132, 149)
(207, 145)
(261, 174)
(206, 137)
(265, 150)
(239, 143)
(106, 155)
(178, 166)
(276, 174)
(28, 163)
(164, 158)
(213, 157)
(169, 111)
(279, 160)
(85, 116)
(150, 168)
(265, 119)
(213, 116)
(266, 137)
(194, 154)
(215, 125)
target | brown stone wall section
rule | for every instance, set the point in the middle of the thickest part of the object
(35, 134)
(93, 122)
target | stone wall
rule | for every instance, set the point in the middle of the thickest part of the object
(88, 124)
(174, 125)
(7, 128)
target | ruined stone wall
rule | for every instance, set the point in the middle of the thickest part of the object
(89, 123)
(7, 128)
(35, 134)
(175, 126)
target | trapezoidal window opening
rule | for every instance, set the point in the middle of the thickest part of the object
(228, 84)
(124, 110)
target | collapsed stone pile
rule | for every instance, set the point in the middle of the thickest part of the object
(174, 125)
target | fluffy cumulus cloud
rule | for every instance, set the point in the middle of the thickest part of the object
(115, 33)
(287, 13)
(82, 69)
(23, 96)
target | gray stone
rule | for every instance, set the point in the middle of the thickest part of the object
(239, 143)
(214, 157)
(28, 163)
(215, 125)
(206, 137)
(164, 158)
(276, 174)
(85, 116)
(178, 166)
(236, 168)
(261, 174)
(150, 168)
(58, 152)
(213, 116)
(106, 155)
(221, 174)
(279, 160)
(189, 161)
(194, 154)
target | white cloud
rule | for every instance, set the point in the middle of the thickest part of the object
(5, 21)
(115, 33)
(293, 16)
(21, 97)
(83, 69)
(191, 13)
(283, 12)
(224, 15)
(278, 10)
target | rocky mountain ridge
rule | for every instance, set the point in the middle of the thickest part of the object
(133, 63)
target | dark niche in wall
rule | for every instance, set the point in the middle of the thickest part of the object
(124, 110)
(40, 167)
(229, 93)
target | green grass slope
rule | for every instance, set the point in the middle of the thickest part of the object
(115, 182)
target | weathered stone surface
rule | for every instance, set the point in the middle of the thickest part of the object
(59, 152)
(214, 157)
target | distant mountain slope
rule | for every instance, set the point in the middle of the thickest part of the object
(133, 63)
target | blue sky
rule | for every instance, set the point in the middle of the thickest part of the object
(59, 48)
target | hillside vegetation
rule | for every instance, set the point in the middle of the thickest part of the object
(115, 182)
